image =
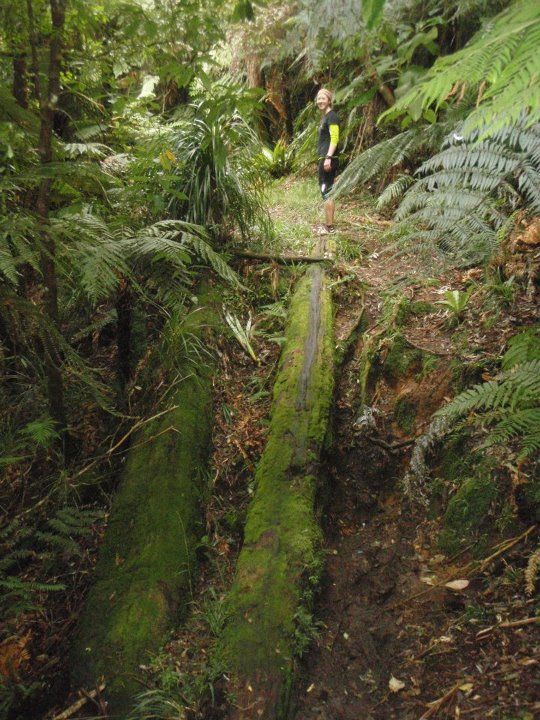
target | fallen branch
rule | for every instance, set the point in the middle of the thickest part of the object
(344, 345)
(389, 447)
(81, 702)
(437, 704)
(280, 259)
(508, 624)
(470, 568)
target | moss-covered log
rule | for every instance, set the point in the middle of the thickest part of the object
(147, 562)
(281, 533)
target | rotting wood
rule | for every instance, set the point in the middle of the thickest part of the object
(344, 346)
(280, 259)
(281, 533)
(80, 703)
(147, 562)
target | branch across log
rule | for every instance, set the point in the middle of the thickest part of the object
(280, 259)
(281, 533)
(147, 563)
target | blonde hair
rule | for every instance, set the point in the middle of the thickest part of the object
(329, 94)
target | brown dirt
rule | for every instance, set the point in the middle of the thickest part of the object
(390, 645)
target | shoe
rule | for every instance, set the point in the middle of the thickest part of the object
(327, 230)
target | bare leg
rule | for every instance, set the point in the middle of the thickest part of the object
(329, 209)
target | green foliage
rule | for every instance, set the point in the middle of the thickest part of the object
(502, 59)
(463, 196)
(456, 301)
(277, 162)
(215, 168)
(46, 547)
(509, 405)
(244, 335)
(378, 161)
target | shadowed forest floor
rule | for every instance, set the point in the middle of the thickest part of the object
(385, 637)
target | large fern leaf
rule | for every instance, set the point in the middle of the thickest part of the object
(509, 404)
(463, 196)
(502, 60)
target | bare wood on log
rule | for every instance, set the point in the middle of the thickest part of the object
(280, 259)
(81, 702)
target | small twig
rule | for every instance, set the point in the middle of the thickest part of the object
(122, 440)
(508, 624)
(437, 704)
(390, 447)
(471, 567)
(81, 702)
(431, 351)
(171, 428)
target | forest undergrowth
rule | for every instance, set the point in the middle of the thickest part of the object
(422, 608)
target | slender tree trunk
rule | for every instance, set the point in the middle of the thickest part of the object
(20, 84)
(55, 385)
(124, 312)
(33, 41)
(384, 90)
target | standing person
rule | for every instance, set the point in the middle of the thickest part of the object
(327, 143)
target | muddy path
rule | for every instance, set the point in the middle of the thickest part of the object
(392, 641)
(369, 564)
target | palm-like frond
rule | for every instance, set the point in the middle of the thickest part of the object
(509, 404)
(217, 179)
(463, 195)
(502, 59)
(377, 161)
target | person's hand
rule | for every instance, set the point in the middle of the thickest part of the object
(327, 164)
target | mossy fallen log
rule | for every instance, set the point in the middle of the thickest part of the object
(281, 533)
(147, 562)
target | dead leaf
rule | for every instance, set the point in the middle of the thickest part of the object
(395, 685)
(457, 584)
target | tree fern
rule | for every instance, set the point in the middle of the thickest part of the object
(463, 195)
(377, 161)
(502, 60)
(509, 404)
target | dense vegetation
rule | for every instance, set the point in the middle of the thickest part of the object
(138, 140)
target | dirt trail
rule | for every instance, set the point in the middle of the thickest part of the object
(369, 564)
(389, 644)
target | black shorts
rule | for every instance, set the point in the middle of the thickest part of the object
(326, 178)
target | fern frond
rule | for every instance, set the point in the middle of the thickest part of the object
(463, 195)
(504, 56)
(394, 191)
(523, 347)
(378, 160)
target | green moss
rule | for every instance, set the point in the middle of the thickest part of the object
(400, 359)
(421, 307)
(281, 533)
(467, 512)
(405, 411)
(147, 562)
(458, 461)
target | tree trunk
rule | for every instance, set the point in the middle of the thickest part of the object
(55, 386)
(147, 563)
(123, 333)
(33, 41)
(20, 85)
(384, 90)
(281, 534)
